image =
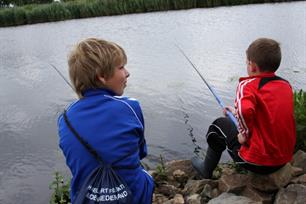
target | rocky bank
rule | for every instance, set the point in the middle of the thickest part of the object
(178, 183)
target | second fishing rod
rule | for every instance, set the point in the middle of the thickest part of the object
(220, 102)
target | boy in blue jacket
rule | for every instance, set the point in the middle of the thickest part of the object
(113, 125)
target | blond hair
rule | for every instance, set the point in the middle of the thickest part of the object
(90, 59)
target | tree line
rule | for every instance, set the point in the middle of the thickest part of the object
(39, 11)
(8, 3)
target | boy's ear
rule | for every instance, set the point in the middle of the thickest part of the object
(254, 67)
(101, 79)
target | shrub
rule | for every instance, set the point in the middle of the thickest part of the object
(300, 119)
(12, 16)
(19, 16)
(71, 9)
(57, 12)
(74, 9)
(60, 189)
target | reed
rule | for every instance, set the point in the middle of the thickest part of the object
(37, 15)
(57, 12)
(75, 9)
(300, 119)
(30, 14)
(11, 17)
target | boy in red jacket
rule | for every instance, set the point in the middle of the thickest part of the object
(265, 139)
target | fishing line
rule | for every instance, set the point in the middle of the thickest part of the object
(63, 77)
(220, 102)
(190, 129)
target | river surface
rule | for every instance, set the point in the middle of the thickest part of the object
(176, 104)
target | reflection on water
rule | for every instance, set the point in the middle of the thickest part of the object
(177, 105)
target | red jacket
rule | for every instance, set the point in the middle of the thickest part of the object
(265, 112)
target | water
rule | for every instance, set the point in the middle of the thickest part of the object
(175, 102)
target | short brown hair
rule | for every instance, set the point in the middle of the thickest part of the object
(91, 58)
(266, 53)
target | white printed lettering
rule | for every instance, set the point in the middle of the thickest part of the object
(95, 190)
(92, 197)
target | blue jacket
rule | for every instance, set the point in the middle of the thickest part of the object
(114, 127)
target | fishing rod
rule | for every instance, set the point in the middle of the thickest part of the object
(54, 67)
(229, 113)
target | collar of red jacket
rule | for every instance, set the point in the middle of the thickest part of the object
(266, 74)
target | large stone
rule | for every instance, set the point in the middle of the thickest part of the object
(183, 165)
(180, 176)
(264, 198)
(227, 169)
(229, 198)
(196, 186)
(194, 199)
(233, 183)
(272, 182)
(208, 193)
(299, 180)
(167, 190)
(178, 199)
(159, 199)
(299, 160)
(297, 171)
(293, 194)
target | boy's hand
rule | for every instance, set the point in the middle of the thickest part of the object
(228, 108)
(241, 138)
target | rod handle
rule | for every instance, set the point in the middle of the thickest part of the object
(232, 118)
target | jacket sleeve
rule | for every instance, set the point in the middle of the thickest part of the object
(143, 149)
(245, 108)
(142, 142)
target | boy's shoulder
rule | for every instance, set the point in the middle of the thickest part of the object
(262, 79)
(248, 82)
(132, 105)
(124, 99)
(128, 102)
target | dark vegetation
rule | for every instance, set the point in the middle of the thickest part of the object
(20, 12)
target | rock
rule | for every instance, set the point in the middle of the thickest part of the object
(196, 186)
(229, 198)
(177, 184)
(272, 182)
(299, 180)
(233, 183)
(264, 198)
(178, 199)
(294, 193)
(209, 193)
(296, 171)
(299, 160)
(167, 190)
(159, 199)
(215, 193)
(194, 199)
(183, 165)
(226, 169)
(180, 176)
